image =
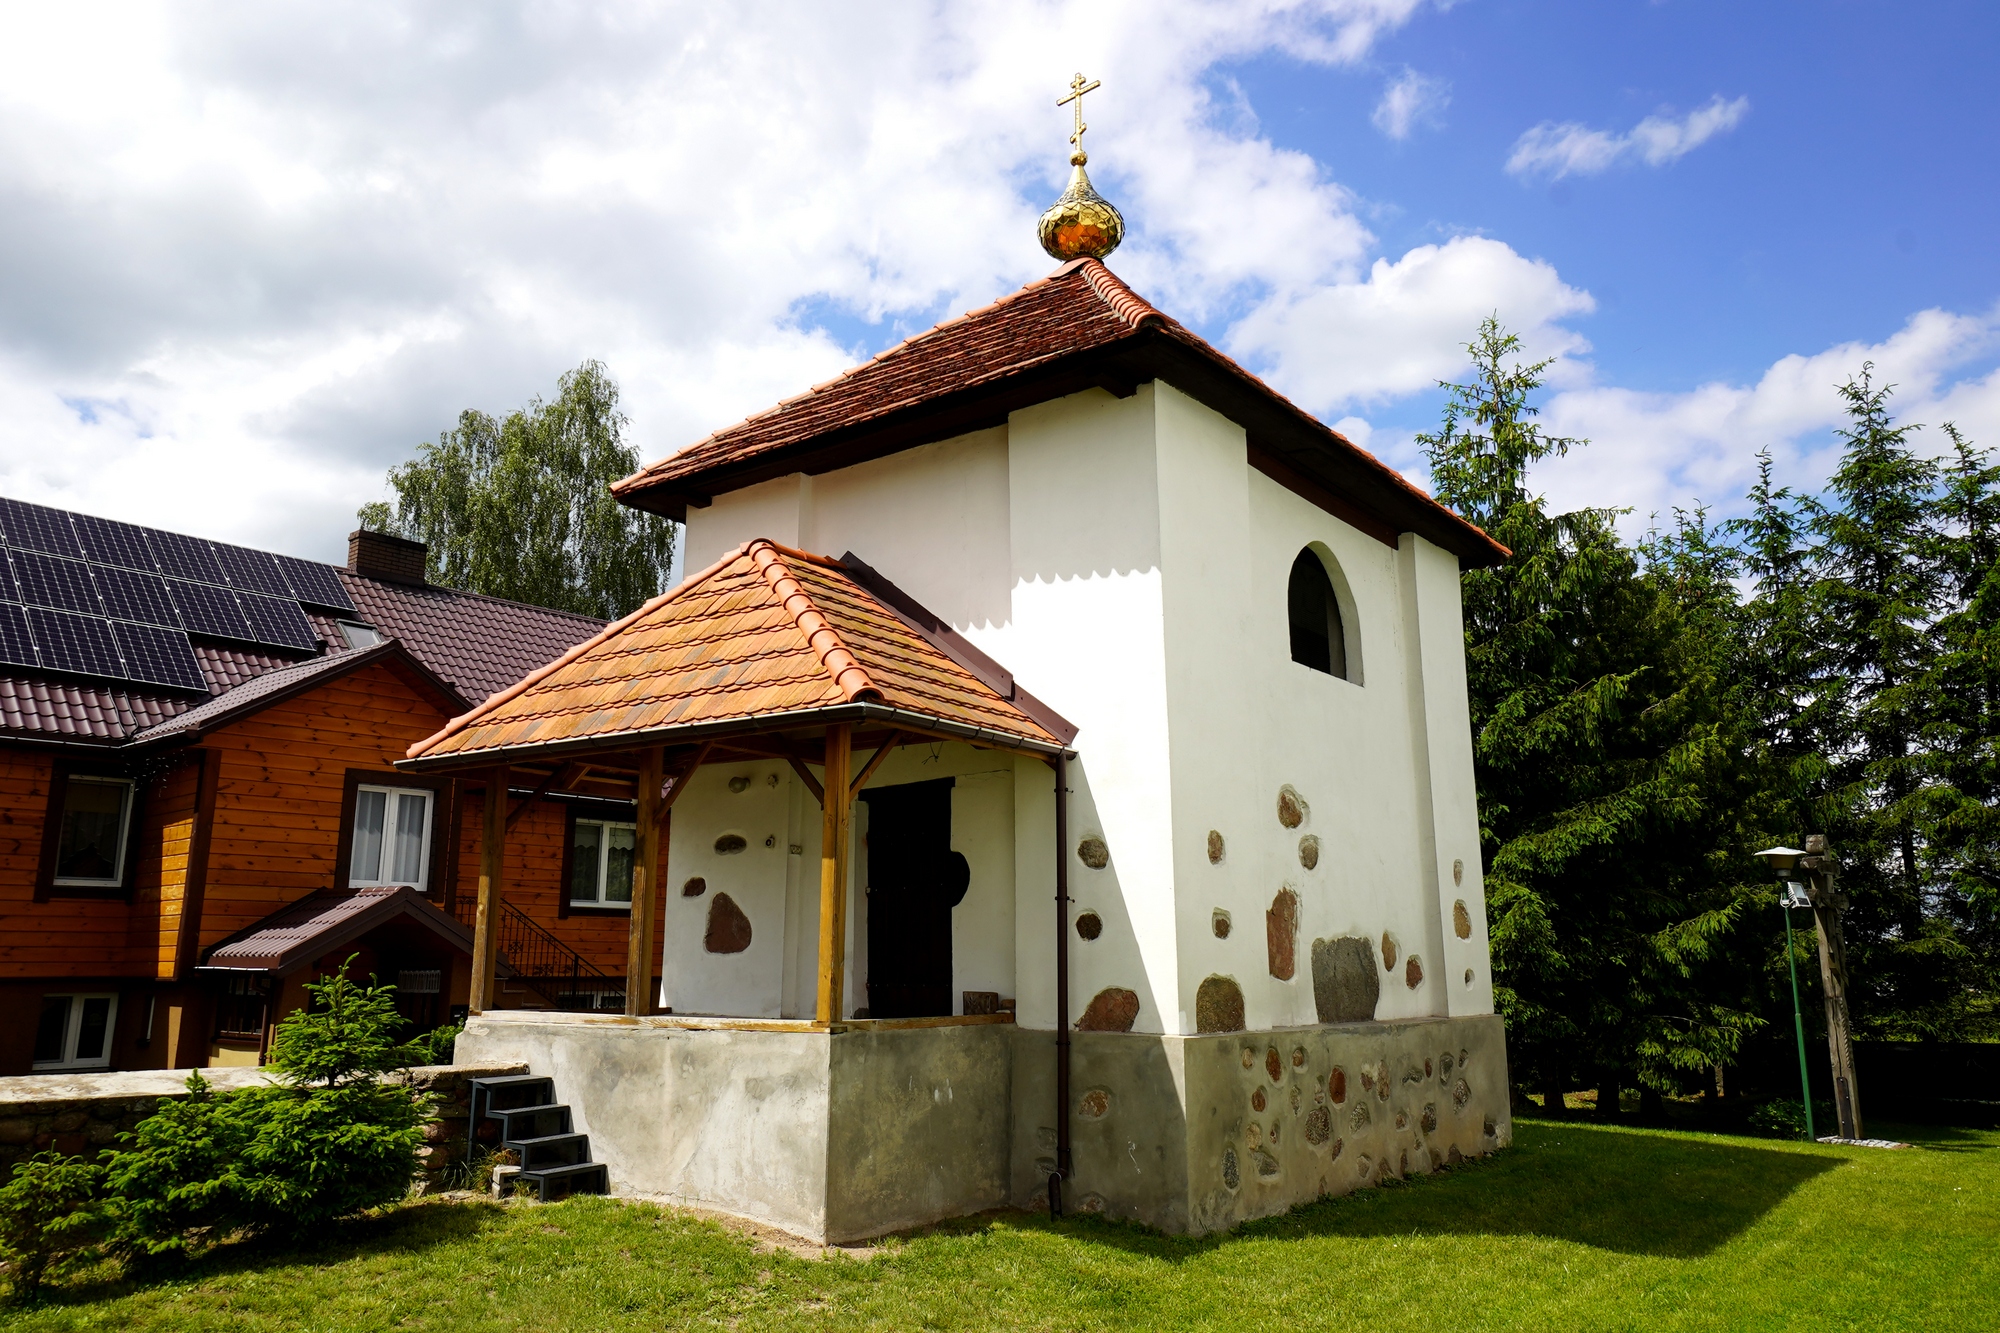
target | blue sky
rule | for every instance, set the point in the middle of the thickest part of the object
(250, 256)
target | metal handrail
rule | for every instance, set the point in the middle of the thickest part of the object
(556, 972)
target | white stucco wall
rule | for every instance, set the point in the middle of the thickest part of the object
(1122, 558)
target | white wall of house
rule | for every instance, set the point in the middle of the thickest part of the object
(1122, 558)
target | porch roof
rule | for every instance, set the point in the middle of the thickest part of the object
(322, 922)
(766, 639)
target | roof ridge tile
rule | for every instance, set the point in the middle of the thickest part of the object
(824, 639)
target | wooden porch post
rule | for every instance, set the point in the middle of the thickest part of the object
(836, 807)
(492, 859)
(641, 996)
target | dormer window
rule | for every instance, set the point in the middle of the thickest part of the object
(1319, 637)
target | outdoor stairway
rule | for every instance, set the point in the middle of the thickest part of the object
(527, 1120)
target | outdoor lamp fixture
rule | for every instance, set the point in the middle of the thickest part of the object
(1784, 860)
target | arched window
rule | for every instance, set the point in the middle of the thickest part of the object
(1319, 640)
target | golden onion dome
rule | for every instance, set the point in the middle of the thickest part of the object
(1083, 223)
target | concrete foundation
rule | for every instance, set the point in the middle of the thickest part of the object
(850, 1135)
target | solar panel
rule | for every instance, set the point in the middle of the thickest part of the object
(253, 571)
(82, 644)
(38, 528)
(206, 609)
(131, 595)
(110, 542)
(16, 647)
(47, 581)
(315, 584)
(159, 656)
(278, 620)
(184, 557)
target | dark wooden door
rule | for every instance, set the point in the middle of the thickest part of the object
(914, 880)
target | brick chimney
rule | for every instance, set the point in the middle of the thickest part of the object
(377, 555)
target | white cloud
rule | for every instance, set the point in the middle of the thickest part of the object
(253, 256)
(1403, 326)
(1411, 99)
(1568, 149)
(1652, 451)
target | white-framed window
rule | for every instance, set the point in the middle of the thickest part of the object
(75, 1031)
(96, 818)
(392, 837)
(600, 863)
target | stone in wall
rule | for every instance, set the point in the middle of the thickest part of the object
(1218, 1005)
(728, 929)
(1461, 920)
(1281, 934)
(1413, 972)
(694, 888)
(1112, 1009)
(1093, 853)
(1345, 983)
(1090, 925)
(1214, 847)
(1292, 808)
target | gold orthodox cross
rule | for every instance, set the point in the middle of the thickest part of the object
(1077, 88)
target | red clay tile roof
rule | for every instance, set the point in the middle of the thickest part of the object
(316, 925)
(1080, 325)
(765, 633)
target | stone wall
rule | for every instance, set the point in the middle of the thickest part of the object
(81, 1114)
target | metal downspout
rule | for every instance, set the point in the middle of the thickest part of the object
(1063, 1160)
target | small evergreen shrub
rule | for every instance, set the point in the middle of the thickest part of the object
(1785, 1118)
(176, 1183)
(53, 1219)
(437, 1046)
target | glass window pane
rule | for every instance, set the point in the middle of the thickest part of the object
(93, 1031)
(618, 863)
(583, 861)
(54, 1026)
(369, 810)
(407, 861)
(93, 818)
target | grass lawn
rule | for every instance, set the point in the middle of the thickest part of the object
(1576, 1227)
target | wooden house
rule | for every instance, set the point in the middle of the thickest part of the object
(199, 810)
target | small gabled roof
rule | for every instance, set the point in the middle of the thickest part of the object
(764, 638)
(273, 687)
(1079, 327)
(319, 923)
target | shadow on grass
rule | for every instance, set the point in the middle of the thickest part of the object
(1936, 1138)
(1631, 1193)
(405, 1229)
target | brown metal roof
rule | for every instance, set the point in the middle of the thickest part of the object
(765, 635)
(288, 680)
(316, 925)
(479, 644)
(1079, 327)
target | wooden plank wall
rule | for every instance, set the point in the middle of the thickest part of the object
(534, 881)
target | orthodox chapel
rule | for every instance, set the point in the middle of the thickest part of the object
(1054, 788)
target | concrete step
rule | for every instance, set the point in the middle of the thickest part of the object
(559, 1182)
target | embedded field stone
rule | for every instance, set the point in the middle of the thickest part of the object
(1402, 1120)
(1253, 1136)
(1359, 1116)
(1461, 920)
(1093, 853)
(729, 844)
(1298, 1057)
(694, 888)
(1338, 1145)
(1427, 1067)
(1345, 984)
(1454, 1157)
(1388, 952)
(1336, 1085)
(1309, 851)
(1458, 872)
(1220, 924)
(1274, 1064)
(1249, 1058)
(1257, 1102)
(979, 1002)
(1445, 1063)
(1090, 925)
(1214, 847)
(1218, 1005)
(1429, 1119)
(1318, 1126)
(1276, 1125)
(1468, 976)
(1231, 1176)
(1094, 1105)
(1297, 1096)
(1281, 934)
(1413, 972)
(1292, 807)
(1267, 1165)
(740, 783)
(1112, 1009)
(728, 929)
(1461, 1093)
(1492, 1130)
